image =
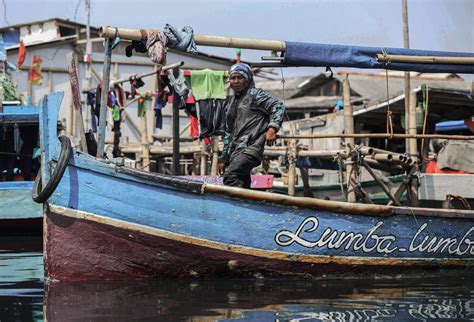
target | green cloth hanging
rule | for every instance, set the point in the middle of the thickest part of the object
(116, 113)
(207, 84)
(142, 102)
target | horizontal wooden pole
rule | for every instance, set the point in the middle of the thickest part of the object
(303, 202)
(164, 68)
(425, 59)
(203, 40)
(376, 135)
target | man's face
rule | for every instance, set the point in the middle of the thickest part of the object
(237, 82)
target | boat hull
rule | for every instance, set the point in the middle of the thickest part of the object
(82, 246)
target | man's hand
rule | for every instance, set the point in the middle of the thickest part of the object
(221, 168)
(270, 136)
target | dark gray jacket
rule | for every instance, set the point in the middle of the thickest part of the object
(248, 117)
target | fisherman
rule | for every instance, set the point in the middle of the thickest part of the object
(253, 117)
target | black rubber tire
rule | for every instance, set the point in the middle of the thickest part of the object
(40, 195)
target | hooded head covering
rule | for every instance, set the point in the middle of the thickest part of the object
(245, 71)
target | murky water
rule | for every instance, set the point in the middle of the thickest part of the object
(25, 297)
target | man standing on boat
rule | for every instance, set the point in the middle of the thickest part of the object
(253, 117)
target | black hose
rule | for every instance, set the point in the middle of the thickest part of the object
(40, 195)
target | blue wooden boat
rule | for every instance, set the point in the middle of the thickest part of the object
(106, 221)
(18, 213)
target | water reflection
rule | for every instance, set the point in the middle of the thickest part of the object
(24, 297)
(21, 285)
(287, 299)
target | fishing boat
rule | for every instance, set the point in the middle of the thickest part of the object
(18, 213)
(103, 220)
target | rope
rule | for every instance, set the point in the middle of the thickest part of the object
(425, 90)
(389, 112)
(283, 81)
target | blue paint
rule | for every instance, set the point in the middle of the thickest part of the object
(89, 186)
(98, 187)
(15, 196)
(13, 114)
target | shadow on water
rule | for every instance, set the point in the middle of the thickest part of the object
(25, 297)
(274, 299)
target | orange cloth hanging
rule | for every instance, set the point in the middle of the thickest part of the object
(35, 72)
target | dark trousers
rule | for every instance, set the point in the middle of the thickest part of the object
(237, 173)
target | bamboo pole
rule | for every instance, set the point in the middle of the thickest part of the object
(144, 143)
(151, 118)
(292, 163)
(413, 150)
(215, 155)
(349, 129)
(380, 182)
(50, 81)
(154, 72)
(312, 203)
(203, 165)
(104, 97)
(203, 40)
(76, 99)
(175, 122)
(406, 44)
(425, 59)
(376, 135)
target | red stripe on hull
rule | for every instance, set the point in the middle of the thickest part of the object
(77, 249)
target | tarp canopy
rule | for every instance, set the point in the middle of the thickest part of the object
(321, 55)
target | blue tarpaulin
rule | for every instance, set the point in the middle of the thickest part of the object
(321, 55)
(450, 126)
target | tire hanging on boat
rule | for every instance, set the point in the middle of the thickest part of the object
(40, 195)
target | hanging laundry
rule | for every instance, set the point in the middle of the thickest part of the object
(212, 117)
(135, 82)
(207, 84)
(161, 97)
(17, 141)
(180, 39)
(194, 127)
(93, 99)
(136, 45)
(117, 118)
(179, 86)
(156, 46)
(145, 96)
(21, 54)
(35, 72)
(119, 94)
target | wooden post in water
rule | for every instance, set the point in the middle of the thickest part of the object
(348, 129)
(292, 155)
(175, 168)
